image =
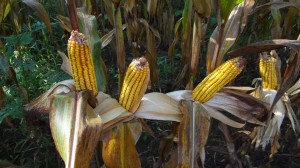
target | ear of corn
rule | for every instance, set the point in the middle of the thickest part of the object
(218, 79)
(135, 83)
(267, 69)
(82, 63)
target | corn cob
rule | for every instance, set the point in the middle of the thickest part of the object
(135, 83)
(82, 63)
(218, 79)
(267, 69)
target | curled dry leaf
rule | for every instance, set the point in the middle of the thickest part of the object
(239, 104)
(42, 103)
(165, 108)
(111, 111)
(181, 95)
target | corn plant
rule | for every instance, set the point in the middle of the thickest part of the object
(83, 116)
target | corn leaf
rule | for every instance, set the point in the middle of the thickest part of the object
(107, 38)
(288, 21)
(193, 134)
(272, 130)
(109, 10)
(235, 25)
(239, 104)
(165, 19)
(42, 103)
(65, 66)
(276, 23)
(188, 136)
(221, 117)
(181, 95)
(280, 30)
(186, 46)
(226, 7)
(197, 37)
(293, 63)
(165, 108)
(211, 55)
(151, 53)
(203, 8)
(88, 25)
(65, 23)
(171, 49)
(37, 6)
(275, 5)
(226, 37)
(119, 146)
(75, 128)
(151, 8)
(120, 46)
(110, 111)
(292, 116)
(294, 89)
(4, 8)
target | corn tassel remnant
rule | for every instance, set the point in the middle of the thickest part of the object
(135, 82)
(267, 69)
(82, 63)
(216, 80)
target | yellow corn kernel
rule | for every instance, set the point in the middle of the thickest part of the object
(267, 69)
(218, 79)
(82, 63)
(135, 83)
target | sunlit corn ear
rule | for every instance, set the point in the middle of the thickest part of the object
(218, 79)
(135, 84)
(267, 69)
(82, 63)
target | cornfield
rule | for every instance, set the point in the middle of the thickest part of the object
(150, 83)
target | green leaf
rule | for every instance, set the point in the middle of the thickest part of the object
(25, 38)
(226, 8)
(4, 8)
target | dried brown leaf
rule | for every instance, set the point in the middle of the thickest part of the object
(239, 104)
(188, 136)
(275, 5)
(81, 128)
(42, 103)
